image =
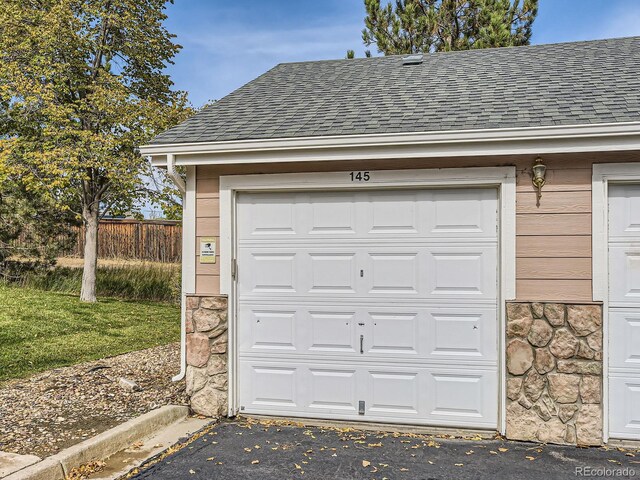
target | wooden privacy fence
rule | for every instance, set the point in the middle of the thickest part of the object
(152, 240)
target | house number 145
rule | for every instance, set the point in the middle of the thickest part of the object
(360, 176)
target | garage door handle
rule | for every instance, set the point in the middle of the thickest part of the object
(361, 343)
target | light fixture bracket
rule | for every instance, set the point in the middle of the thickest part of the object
(539, 170)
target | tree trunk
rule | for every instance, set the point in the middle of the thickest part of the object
(90, 222)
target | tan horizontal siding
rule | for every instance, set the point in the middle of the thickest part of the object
(554, 202)
(553, 241)
(208, 207)
(556, 180)
(208, 284)
(553, 268)
(542, 246)
(207, 226)
(207, 268)
(553, 224)
(573, 290)
(207, 187)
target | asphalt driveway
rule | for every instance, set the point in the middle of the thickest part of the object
(246, 449)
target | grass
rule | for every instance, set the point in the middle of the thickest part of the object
(43, 330)
(143, 281)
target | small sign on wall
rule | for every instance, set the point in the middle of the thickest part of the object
(207, 250)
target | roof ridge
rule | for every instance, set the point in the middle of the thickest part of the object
(468, 51)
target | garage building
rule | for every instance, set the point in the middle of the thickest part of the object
(443, 240)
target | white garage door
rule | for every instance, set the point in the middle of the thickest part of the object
(624, 311)
(369, 305)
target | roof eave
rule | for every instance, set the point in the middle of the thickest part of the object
(505, 141)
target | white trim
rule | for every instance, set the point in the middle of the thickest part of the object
(603, 174)
(504, 178)
(506, 141)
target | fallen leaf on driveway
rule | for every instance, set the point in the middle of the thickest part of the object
(191, 472)
(459, 464)
(255, 462)
(503, 449)
(366, 463)
(530, 458)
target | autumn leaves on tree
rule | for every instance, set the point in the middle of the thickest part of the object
(82, 84)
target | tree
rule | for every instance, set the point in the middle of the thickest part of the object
(32, 232)
(415, 26)
(82, 83)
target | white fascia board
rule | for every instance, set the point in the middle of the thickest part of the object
(526, 140)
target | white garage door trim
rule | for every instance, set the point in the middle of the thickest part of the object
(603, 174)
(504, 178)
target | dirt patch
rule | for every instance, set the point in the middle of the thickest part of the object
(50, 411)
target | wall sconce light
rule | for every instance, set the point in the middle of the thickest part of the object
(539, 170)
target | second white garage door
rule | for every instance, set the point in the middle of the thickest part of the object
(369, 305)
(624, 311)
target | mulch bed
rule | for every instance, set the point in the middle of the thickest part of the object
(50, 411)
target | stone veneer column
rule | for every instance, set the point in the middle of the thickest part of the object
(554, 373)
(207, 379)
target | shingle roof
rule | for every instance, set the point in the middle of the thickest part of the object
(541, 85)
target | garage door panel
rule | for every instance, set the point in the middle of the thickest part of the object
(624, 311)
(332, 215)
(461, 272)
(452, 212)
(274, 329)
(333, 272)
(624, 204)
(414, 214)
(271, 272)
(270, 386)
(462, 335)
(364, 297)
(625, 422)
(266, 215)
(393, 213)
(393, 333)
(333, 389)
(456, 394)
(624, 338)
(332, 331)
(625, 279)
(392, 273)
(393, 392)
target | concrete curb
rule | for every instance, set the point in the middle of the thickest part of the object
(58, 466)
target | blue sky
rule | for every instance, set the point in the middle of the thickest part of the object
(227, 43)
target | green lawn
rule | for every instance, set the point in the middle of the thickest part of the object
(42, 330)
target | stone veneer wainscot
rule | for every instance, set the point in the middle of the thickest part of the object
(207, 380)
(554, 373)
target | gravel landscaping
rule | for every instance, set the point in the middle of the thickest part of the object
(53, 410)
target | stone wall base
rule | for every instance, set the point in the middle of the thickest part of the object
(207, 379)
(554, 373)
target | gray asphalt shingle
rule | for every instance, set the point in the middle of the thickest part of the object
(541, 85)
